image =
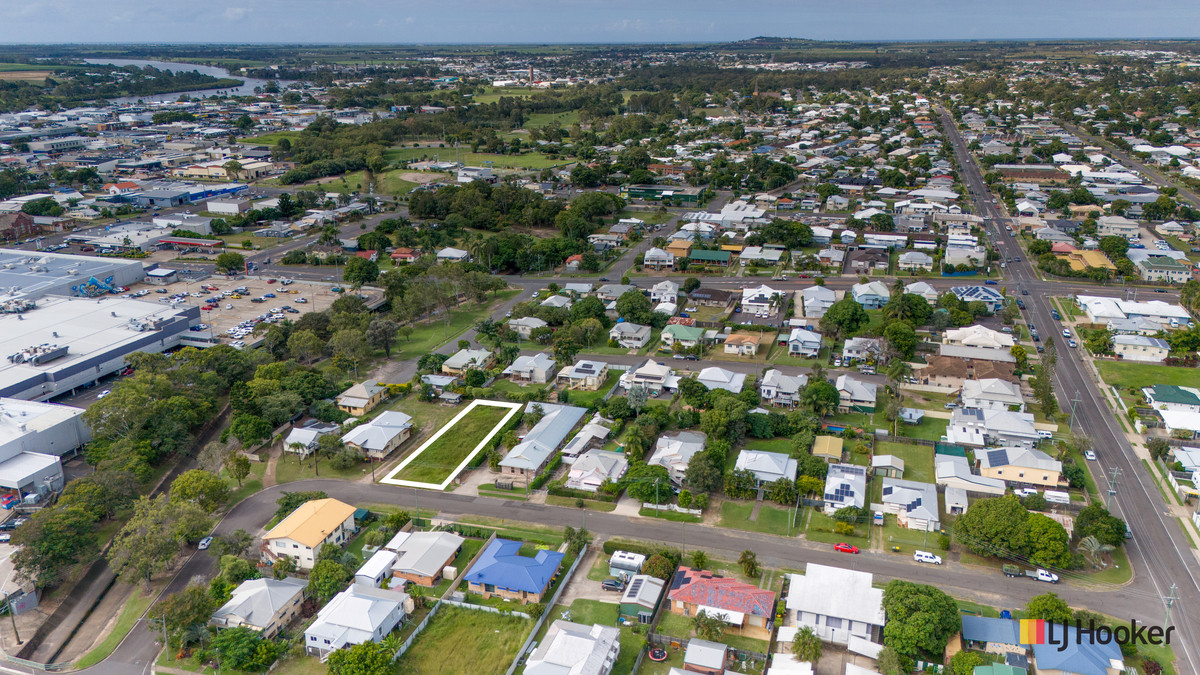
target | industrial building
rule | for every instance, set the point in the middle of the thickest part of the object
(32, 438)
(30, 275)
(66, 343)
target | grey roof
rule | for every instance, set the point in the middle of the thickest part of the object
(705, 654)
(985, 629)
(1024, 457)
(376, 434)
(787, 384)
(982, 353)
(526, 363)
(643, 590)
(574, 649)
(545, 437)
(465, 358)
(767, 466)
(424, 553)
(256, 601)
(953, 467)
(919, 500)
(1141, 341)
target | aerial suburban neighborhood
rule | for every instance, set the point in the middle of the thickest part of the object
(769, 356)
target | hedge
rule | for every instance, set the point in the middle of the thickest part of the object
(545, 475)
(559, 490)
(613, 545)
(495, 442)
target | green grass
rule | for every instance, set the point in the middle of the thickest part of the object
(428, 336)
(1119, 572)
(590, 504)
(918, 459)
(908, 540)
(235, 242)
(137, 605)
(930, 429)
(251, 484)
(968, 607)
(564, 120)
(675, 625)
(530, 532)
(291, 468)
(427, 417)
(470, 547)
(820, 528)
(388, 182)
(1120, 373)
(771, 519)
(444, 455)
(673, 516)
(493, 491)
(587, 399)
(271, 138)
(466, 641)
(1154, 477)
(531, 160)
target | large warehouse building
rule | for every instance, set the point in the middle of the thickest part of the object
(32, 438)
(31, 275)
(66, 343)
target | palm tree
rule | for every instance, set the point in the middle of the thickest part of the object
(708, 626)
(1093, 549)
(806, 646)
(392, 642)
(897, 370)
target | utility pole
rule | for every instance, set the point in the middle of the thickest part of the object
(1169, 602)
(1074, 402)
(1113, 476)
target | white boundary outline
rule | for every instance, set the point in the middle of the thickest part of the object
(513, 408)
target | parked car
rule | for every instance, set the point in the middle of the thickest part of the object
(1072, 344)
(845, 548)
(614, 585)
(104, 393)
(5, 537)
(204, 543)
(1066, 332)
(991, 282)
(1089, 455)
(927, 557)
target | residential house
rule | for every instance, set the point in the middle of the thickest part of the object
(664, 291)
(679, 248)
(527, 458)
(954, 472)
(468, 359)
(591, 435)
(706, 258)
(361, 398)
(685, 336)
(575, 649)
(991, 635)
(405, 255)
(861, 349)
(630, 335)
(781, 390)
(838, 604)
(845, 485)
(525, 325)
(559, 301)
(979, 427)
(265, 606)
(871, 295)
(584, 375)
(641, 597)
(866, 260)
(1076, 655)
(855, 395)
(1163, 268)
(1171, 397)
(357, 615)
(718, 378)
(376, 570)
(915, 504)
(1019, 465)
(914, 261)
(767, 467)
(501, 571)
(675, 452)
(992, 394)
(817, 299)
(1141, 348)
(595, 466)
(704, 657)
(537, 368)
(1116, 226)
(658, 259)
(924, 290)
(977, 336)
(304, 439)
(377, 438)
(990, 298)
(651, 375)
(711, 297)
(832, 257)
(742, 343)
(747, 610)
(312, 525)
(889, 466)
(422, 557)
(804, 343)
(828, 448)
(761, 300)
(610, 292)
(450, 254)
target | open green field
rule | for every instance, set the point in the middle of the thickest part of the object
(431, 334)
(771, 519)
(918, 459)
(389, 182)
(531, 160)
(465, 641)
(1124, 373)
(237, 241)
(443, 456)
(564, 120)
(271, 138)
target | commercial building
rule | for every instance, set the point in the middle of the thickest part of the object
(65, 343)
(33, 274)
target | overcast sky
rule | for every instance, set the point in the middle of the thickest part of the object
(575, 21)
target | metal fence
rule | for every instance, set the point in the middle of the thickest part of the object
(420, 627)
(485, 608)
(537, 627)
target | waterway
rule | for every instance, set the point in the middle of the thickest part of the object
(247, 88)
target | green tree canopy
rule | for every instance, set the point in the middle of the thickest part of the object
(921, 619)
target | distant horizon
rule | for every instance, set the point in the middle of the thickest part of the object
(668, 43)
(585, 22)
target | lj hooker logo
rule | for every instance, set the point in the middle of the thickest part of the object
(1040, 632)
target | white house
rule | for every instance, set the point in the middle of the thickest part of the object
(836, 603)
(379, 437)
(658, 258)
(914, 504)
(978, 336)
(674, 452)
(780, 389)
(805, 343)
(992, 394)
(915, 261)
(526, 325)
(630, 335)
(924, 290)
(767, 467)
(312, 525)
(871, 295)
(651, 375)
(861, 348)
(537, 368)
(1141, 348)
(815, 300)
(451, 254)
(845, 485)
(664, 291)
(575, 649)
(594, 467)
(356, 615)
(263, 605)
(586, 375)
(979, 427)
(719, 378)
(761, 299)
(1171, 397)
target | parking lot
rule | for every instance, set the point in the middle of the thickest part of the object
(228, 316)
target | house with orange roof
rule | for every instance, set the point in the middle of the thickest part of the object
(746, 609)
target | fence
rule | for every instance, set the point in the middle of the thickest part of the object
(671, 507)
(485, 608)
(537, 627)
(420, 627)
(660, 640)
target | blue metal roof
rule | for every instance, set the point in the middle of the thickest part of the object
(501, 565)
(1089, 658)
(984, 629)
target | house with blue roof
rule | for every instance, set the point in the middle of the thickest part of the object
(502, 571)
(994, 636)
(1088, 658)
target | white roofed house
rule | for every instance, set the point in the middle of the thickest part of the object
(845, 485)
(575, 649)
(838, 604)
(652, 375)
(664, 291)
(914, 504)
(780, 389)
(719, 378)
(1141, 348)
(804, 343)
(913, 261)
(674, 452)
(767, 467)
(451, 254)
(379, 437)
(262, 605)
(871, 295)
(817, 299)
(861, 348)
(466, 359)
(992, 394)
(525, 325)
(356, 615)
(537, 368)
(585, 375)
(924, 290)
(594, 467)
(557, 301)
(531, 455)
(979, 427)
(991, 298)
(303, 440)
(855, 395)
(630, 335)
(658, 258)
(762, 299)
(978, 336)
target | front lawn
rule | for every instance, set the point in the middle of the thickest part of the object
(771, 519)
(427, 336)
(434, 462)
(918, 459)
(291, 468)
(820, 528)
(587, 399)
(668, 514)
(780, 445)
(466, 641)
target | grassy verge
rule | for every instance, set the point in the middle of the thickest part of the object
(1154, 477)
(493, 491)
(820, 528)
(590, 504)
(137, 605)
(1118, 372)
(771, 519)
(507, 529)
(673, 516)
(444, 455)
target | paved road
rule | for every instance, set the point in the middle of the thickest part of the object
(1155, 176)
(1159, 551)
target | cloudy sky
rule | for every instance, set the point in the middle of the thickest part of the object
(603, 21)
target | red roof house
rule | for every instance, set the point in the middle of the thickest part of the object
(748, 609)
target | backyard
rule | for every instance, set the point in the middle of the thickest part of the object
(438, 459)
(588, 612)
(918, 459)
(466, 641)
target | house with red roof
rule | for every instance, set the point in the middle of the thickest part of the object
(373, 256)
(1062, 247)
(120, 188)
(746, 608)
(405, 255)
(574, 262)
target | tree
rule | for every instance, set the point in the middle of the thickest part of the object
(1094, 551)
(51, 541)
(921, 619)
(1048, 607)
(806, 646)
(1047, 541)
(250, 429)
(844, 317)
(305, 345)
(901, 337)
(283, 566)
(709, 626)
(820, 397)
(994, 526)
(635, 307)
(238, 466)
(232, 169)
(650, 484)
(699, 559)
(326, 579)
(749, 562)
(1095, 521)
(200, 486)
(367, 658)
(381, 333)
(565, 349)
(231, 263)
(243, 649)
(891, 663)
(965, 662)
(236, 544)
(190, 607)
(659, 567)
(149, 540)
(360, 272)
(690, 284)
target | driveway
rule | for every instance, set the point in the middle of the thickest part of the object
(582, 587)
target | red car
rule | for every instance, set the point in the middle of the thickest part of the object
(845, 548)
(271, 281)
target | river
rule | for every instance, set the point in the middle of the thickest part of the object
(247, 88)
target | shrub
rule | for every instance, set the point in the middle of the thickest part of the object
(843, 528)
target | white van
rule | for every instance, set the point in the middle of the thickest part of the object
(1045, 434)
(927, 557)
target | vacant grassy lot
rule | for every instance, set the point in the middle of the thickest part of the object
(1125, 373)
(466, 641)
(771, 519)
(445, 454)
(918, 459)
(820, 528)
(531, 160)
(271, 138)
(430, 334)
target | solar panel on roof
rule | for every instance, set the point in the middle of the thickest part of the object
(997, 457)
(887, 490)
(635, 587)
